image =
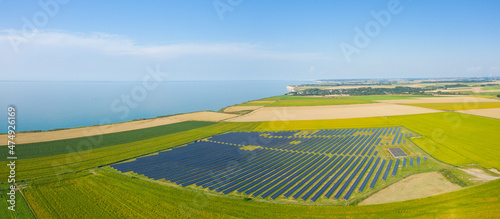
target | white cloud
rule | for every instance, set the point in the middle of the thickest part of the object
(494, 69)
(312, 69)
(119, 45)
(475, 69)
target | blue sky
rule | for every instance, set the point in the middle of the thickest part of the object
(248, 40)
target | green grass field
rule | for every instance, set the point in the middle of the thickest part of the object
(458, 106)
(257, 103)
(50, 148)
(289, 97)
(22, 209)
(491, 88)
(71, 162)
(456, 138)
(86, 195)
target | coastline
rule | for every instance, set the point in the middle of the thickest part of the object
(77, 132)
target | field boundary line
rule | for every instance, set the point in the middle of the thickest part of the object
(27, 203)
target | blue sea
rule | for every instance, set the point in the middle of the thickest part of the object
(54, 105)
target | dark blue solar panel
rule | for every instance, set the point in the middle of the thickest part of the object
(395, 170)
(387, 170)
(346, 183)
(324, 169)
(361, 175)
(296, 178)
(379, 171)
(336, 185)
(302, 181)
(372, 170)
(327, 184)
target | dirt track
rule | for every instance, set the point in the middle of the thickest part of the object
(479, 174)
(23, 138)
(329, 112)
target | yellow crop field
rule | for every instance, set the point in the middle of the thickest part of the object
(325, 124)
(456, 138)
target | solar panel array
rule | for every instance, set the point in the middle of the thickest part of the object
(285, 164)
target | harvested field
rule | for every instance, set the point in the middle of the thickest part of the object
(492, 113)
(240, 108)
(329, 112)
(459, 99)
(415, 186)
(24, 138)
(458, 106)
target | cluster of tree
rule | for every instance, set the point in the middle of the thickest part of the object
(360, 91)
(454, 93)
(455, 85)
(488, 85)
(331, 84)
(458, 81)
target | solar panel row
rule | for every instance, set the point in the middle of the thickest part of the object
(374, 181)
(387, 170)
(361, 175)
(395, 170)
(363, 185)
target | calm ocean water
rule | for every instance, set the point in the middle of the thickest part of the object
(52, 105)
